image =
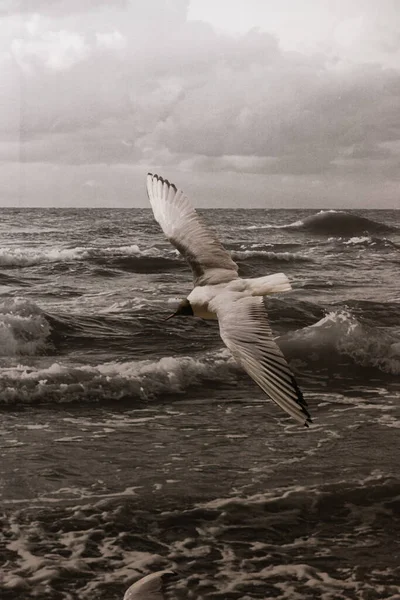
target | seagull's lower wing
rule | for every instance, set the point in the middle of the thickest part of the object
(156, 586)
(185, 229)
(245, 329)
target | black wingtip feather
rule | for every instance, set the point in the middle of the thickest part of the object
(159, 178)
(302, 402)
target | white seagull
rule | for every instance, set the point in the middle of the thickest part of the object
(219, 293)
(155, 586)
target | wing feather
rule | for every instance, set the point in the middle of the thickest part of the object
(245, 330)
(185, 229)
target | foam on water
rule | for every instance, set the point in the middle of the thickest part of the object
(225, 488)
(28, 256)
(22, 257)
(340, 333)
(282, 543)
(270, 256)
(23, 328)
(140, 380)
(365, 241)
(26, 330)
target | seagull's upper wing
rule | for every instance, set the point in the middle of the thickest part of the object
(151, 587)
(185, 229)
(244, 328)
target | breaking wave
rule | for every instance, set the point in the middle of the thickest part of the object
(339, 223)
(25, 256)
(27, 330)
(341, 335)
(134, 380)
(127, 258)
(336, 341)
(24, 329)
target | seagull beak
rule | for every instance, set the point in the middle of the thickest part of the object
(169, 317)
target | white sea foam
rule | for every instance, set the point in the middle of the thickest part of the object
(342, 332)
(27, 256)
(21, 257)
(269, 255)
(142, 380)
(23, 328)
(364, 241)
(358, 240)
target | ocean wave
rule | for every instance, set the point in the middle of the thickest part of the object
(276, 246)
(375, 313)
(9, 280)
(127, 258)
(289, 312)
(365, 241)
(141, 264)
(26, 256)
(27, 330)
(326, 344)
(266, 226)
(341, 335)
(269, 256)
(24, 329)
(338, 222)
(135, 380)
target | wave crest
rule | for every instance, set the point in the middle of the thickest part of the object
(340, 334)
(135, 380)
(269, 256)
(24, 329)
(340, 223)
(26, 257)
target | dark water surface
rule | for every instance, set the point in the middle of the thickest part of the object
(130, 444)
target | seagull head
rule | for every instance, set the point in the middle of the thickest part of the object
(184, 308)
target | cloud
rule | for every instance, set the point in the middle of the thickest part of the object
(56, 7)
(357, 31)
(138, 84)
(56, 50)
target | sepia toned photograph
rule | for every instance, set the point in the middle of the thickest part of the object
(199, 300)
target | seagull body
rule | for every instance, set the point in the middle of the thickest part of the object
(219, 293)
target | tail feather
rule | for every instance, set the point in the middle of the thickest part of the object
(270, 284)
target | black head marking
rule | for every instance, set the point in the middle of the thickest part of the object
(185, 308)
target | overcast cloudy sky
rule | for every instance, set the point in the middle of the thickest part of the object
(241, 102)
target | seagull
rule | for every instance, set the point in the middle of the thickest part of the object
(219, 293)
(155, 586)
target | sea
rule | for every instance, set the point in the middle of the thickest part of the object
(130, 444)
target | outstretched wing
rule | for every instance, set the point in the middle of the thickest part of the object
(155, 586)
(244, 328)
(185, 229)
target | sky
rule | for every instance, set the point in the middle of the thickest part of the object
(258, 103)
